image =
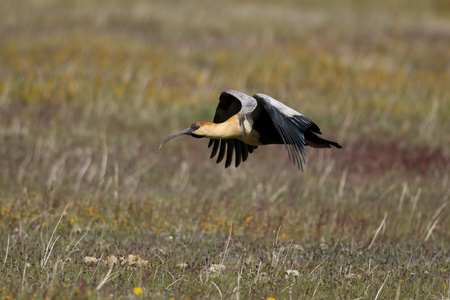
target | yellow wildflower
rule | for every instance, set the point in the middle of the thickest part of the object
(138, 291)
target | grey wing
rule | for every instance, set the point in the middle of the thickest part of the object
(291, 126)
(231, 103)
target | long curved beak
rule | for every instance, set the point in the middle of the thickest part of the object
(187, 131)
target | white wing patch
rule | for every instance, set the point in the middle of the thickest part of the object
(285, 110)
(248, 103)
(247, 126)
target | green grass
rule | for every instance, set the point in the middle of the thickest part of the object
(88, 90)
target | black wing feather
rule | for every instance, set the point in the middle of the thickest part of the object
(230, 150)
(238, 153)
(230, 104)
(226, 147)
(244, 151)
(215, 148)
(290, 128)
(223, 144)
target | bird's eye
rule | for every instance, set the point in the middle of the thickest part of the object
(195, 126)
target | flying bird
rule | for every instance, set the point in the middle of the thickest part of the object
(242, 123)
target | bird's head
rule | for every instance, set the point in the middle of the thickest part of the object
(196, 130)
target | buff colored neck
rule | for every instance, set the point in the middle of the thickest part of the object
(226, 130)
(229, 129)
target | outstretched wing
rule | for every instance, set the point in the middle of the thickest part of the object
(232, 102)
(291, 125)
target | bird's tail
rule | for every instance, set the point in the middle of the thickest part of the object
(316, 141)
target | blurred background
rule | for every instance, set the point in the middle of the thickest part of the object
(370, 74)
(89, 90)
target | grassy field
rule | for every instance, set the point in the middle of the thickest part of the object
(91, 208)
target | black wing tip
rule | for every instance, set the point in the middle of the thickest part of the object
(230, 150)
(315, 128)
(336, 145)
(226, 148)
(307, 123)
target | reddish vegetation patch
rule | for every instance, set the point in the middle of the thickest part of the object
(373, 157)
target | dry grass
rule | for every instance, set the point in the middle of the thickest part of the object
(88, 90)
